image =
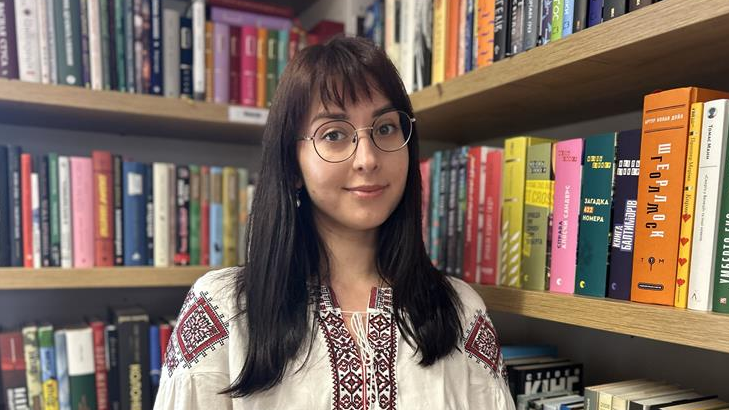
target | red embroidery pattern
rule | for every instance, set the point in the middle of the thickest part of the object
(346, 365)
(482, 344)
(200, 328)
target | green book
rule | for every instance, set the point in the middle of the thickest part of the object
(32, 366)
(49, 378)
(720, 302)
(194, 215)
(105, 42)
(271, 66)
(557, 19)
(120, 45)
(55, 215)
(80, 356)
(67, 16)
(595, 213)
(538, 200)
(243, 203)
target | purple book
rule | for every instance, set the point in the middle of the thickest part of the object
(242, 18)
(9, 53)
(221, 63)
(594, 12)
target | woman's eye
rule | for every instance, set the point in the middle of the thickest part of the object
(386, 129)
(333, 136)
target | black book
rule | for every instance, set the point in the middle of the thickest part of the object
(113, 68)
(149, 194)
(625, 203)
(4, 208)
(545, 21)
(15, 219)
(186, 56)
(85, 57)
(112, 377)
(45, 211)
(537, 378)
(9, 52)
(452, 213)
(638, 4)
(580, 19)
(182, 240)
(501, 24)
(516, 27)
(532, 20)
(132, 326)
(118, 210)
(155, 37)
(445, 167)
(423, 49)
(612, 9)
(461, 210)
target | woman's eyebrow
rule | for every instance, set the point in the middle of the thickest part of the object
(330, 116)
(384, 109)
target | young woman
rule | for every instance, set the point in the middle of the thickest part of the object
(338, 305)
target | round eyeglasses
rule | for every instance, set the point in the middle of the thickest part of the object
(337, 140)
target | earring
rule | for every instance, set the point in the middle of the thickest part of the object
(298, 200)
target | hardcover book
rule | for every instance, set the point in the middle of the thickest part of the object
(82, 210)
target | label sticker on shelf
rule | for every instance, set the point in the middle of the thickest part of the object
(247, 115)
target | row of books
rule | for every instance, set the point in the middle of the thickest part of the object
(642, 394)
(95, 365)
(633, 215)
(107, 211)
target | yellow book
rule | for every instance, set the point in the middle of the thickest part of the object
(440, 33)
(688, 205)
(230, 216)
(512, 208)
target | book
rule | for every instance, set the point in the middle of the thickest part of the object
(440, 40)
(12, 372)
(625, 208)
(234, 58)
(64, 383)
(112, 354)
(243, 182)
(261, 64)
(194, 225)
(94, 44)
(593, 241)
(472, 235)
(221, 64)
(543, 377)
(198, 49)
(172, 57)
(531, 23)
(150, 222)
(98, 330)
(660, 186)
(182, 218)
(545, 23)
(668, 400)
(453, 16)
(5, 212)
(82, 212)
(85, 51)
(638, 4)
(36, 223)
(714, 129)
(32, 366)
(230, 216)
(271, 65)
(216, 216)
(155, 359)
(579, 20)
(55, 209)
(568, 15)
(162, 199)
(254, 7)
(594, 12)
(516, 27)
(135, 214)
(133, 331)
(248, 53)
(129, 47)
(28, 40)
(186, 57)
(538, 206)
(707, 404)
(407, 22)
(592, 393)
(103, 208)
(492, 168)
(45, 210)
(435, 208)
(64, 210)
(156, 58)
(484, 32)
(118, 213)
(81, 372)
(49, 376)
(242, 18)
(15, 206)
(26, 206)
(204, 215)
(9, 54)
(557, 19)
(423, 45)
(612, 9)
(565, 224)
(117, 28)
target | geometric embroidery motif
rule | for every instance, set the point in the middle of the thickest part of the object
(482, 343)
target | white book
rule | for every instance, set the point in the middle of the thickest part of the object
(28, 39)
(708, 199)
(51, 29)
(80, 352)
(198, 49)
(65, 211)
(43, 43)
(462, 31)
(392, 25)
(407, 37)
(161, 194)
(97, 70)
(171, 57)
(35, 210)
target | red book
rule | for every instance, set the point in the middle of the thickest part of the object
(293, 43)
(102, 398)
(26, 168)
(204, 216)
(326, 29)
(103, 189)
(491, 171)
(425, 184)
(12, 370)
(452, 40)
(254, 7)
(235, 65)
(470, 246)
(248, 62)
(165, 332)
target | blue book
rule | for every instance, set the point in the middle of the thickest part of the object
(64, 381)
(525, 351)
(155, 39)
(568, 17)
(216, 216)
(4, 208)
(546, 23)
(435, 165)
(15, 221)
(283, 53)
(186, 56)
(469, 36)
(47, 351)
(149, 222)
(594, 13)
(155, 359)
(134, 210)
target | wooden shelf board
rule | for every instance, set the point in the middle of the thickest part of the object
(112, 277)
(706, 330)
(600, 71)
(76, 108)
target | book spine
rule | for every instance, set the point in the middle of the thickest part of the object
(150, 221)
(95, 55)
(531, 24)
(5, 208)
(594, 12)
(119, 45)
(261, 62)
(271, 66)
(460, 211)
(594, 226)
(205, 216)
(85, 48)
(129, 46)
(452, 213)
(171, 56)
(688, 204)
(282, 57)
(161, 214)
(470, 265)
(565, 225)
(194, 228)
(242, 18)
(625, 208)
(221, 65)
(424, 166)
(715, 126)
(134, 360)
(516, 27)
(32, 367)
(135, 215)
(209, 61)
(108, 44)
(484, 22)
(440, 39)
(443, 209)
(157, 67)
(64, 210)
(248, 66)
(55, 208)
(45, 211)
(557, 19)
(216, 216)
(15, 388)
(28, 40)
(112, 350)
(242, 215)
(538, 204)
(612, 9)
(82, 181)
(137, 39)
(501, 26)
(182, 248)
(15, 206)
(36, 223)
(469, 39)
(198, 46)
(638, 4)
(64, 384)
(9, 53)
(545, 25)
(44, 45)
(26, 166)
(103, 208)
(423, 44)
(580, 16)
(494, 165)
(49, 377)
(68, 53)
(186, 57)
(118, 212)
(81, 373)
(155, 359)
(254, 7)
(568, 17)
(144, 62)
(512, 206)
(434, 224)
(407, 47)
(230, 216)
(98, 330)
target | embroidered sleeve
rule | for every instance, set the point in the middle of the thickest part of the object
(193, 391)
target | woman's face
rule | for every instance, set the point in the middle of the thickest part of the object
(361, 192)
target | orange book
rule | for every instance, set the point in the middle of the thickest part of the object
(660, 191)
(484, 19)
(103, 209)
(209, 44)
(261, 53)
(440, 39)
(453, 17)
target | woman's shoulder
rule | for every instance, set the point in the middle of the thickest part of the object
(470, 299)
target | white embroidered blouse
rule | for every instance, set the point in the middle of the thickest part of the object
(207, 350)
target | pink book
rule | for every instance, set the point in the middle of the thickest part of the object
(471, 231)
(492, 164)
(221, 63)
(82, 177)
(567, 184)
(249, 38)
(425, 205)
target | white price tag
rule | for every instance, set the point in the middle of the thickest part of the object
(247, 115)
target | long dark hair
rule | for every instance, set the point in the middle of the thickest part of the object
(286, 253)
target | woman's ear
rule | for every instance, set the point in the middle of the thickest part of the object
(299, 183)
